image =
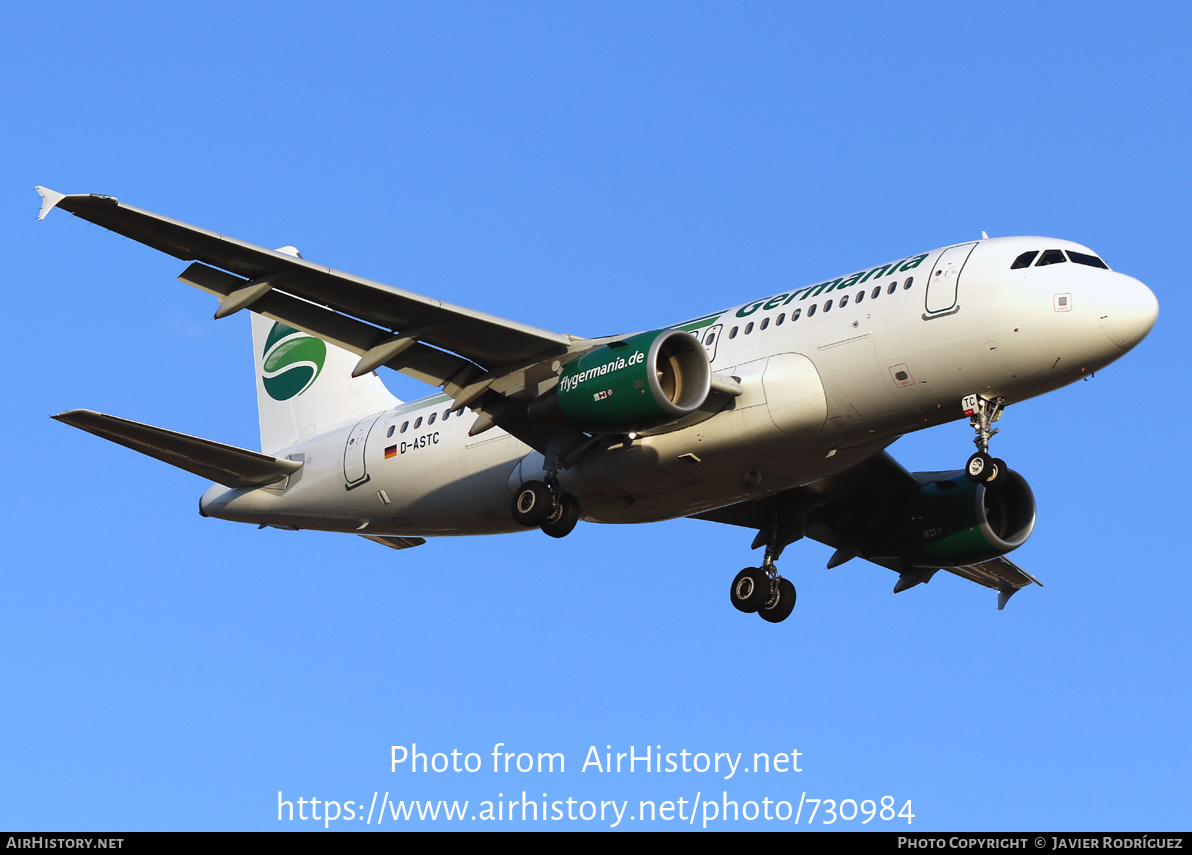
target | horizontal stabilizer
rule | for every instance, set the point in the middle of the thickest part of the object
(224, 464)
(393, 541)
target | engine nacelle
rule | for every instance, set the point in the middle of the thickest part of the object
(954, 522)
(644, 381)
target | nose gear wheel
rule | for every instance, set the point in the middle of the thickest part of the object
(982, 468)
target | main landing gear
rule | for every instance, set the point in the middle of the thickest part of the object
(537, 505)
(761, 589)
(983, 412)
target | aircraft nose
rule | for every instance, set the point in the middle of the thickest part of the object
(1129, 314)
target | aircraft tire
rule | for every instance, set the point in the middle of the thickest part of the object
(532, 504)
(750, 589)
(562, 517)
(998, 472)
(979, 467)
(780, 609)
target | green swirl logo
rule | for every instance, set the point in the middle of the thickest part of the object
(293, 361)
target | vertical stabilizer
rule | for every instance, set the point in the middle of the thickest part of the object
(305, 385)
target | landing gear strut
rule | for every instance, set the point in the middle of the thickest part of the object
(982, 413)
(761, 589)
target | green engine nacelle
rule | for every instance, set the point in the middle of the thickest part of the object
(644, 381)
(954, 522)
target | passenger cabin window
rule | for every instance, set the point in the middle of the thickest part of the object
(781, 319)
(844, 301)
(709, 338)
(893, 287)
(405, 425)
(765, 323)
(417, 423)
(1090, 260)
(432, 418)
(828, 306)
(1051, 256)
(811, 310)
(1024, 260)
(795, 314)
(906, 286)
(389, 432)
(876, 292)
(749, 328)
(860, 297)
(732, 333)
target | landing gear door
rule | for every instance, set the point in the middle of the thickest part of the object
(355, 470)
(944, 282)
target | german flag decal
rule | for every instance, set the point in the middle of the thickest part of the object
(391, 451)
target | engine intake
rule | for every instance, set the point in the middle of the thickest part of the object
(954, 522)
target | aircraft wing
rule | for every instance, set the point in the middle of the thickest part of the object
(464, 351)
(1001, 574)
(828, 506)
(878, 474)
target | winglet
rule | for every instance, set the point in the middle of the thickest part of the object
(49, 199)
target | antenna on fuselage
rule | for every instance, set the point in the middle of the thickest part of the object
(984, 235)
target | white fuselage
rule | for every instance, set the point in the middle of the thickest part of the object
(831, 374)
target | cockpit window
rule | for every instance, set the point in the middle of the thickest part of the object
(1090, 260)
(1051, 256)
(1024, 260)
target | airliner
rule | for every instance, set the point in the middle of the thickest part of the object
(773, 415)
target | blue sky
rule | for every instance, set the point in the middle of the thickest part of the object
(587, 169)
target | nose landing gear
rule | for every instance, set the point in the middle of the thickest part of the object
(982, 413)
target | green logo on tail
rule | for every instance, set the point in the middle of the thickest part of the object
(293, 361)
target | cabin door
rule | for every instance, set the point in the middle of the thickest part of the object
(943, 284)
(355, 470)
